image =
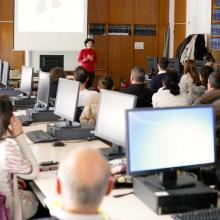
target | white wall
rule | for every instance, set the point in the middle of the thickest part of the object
(70, 59)
(198, 17)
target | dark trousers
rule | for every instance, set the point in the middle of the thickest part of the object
(91, 76)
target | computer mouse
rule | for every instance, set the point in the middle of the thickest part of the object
(58, 144)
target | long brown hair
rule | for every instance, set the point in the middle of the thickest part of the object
(190, 68)
(56, 73)
(6, 111)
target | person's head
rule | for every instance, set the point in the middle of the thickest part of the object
(137, 75)
(56, 73)
(204, 74)
(190, 68)
(214, 81)
(106, 82)
(80, 75)
(89, 43)
(6, 111)
(163, 63)
(171, 82)
(208, 57)
(83, 180)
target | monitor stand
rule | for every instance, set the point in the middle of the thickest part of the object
(113, 152)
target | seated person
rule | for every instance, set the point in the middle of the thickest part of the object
(170, 95)
(89, 113)
(56, 73)
(196, 92)
(156, 81)
(16, 158)
(81, 185)
(138, 88)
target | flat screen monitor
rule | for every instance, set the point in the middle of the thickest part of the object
(43, 93)
(26, 80)
(5, 73)
(67, 99)
(166, 139)
(174, 63)
(110, 123)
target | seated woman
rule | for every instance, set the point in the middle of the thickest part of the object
(170, 95)
(190, 76)
(56, 73)
(89, 113)
(196, 92)
(16, 159)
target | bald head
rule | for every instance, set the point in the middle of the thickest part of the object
(83, 176)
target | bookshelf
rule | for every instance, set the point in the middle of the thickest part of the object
(215, 31)
(118, 25)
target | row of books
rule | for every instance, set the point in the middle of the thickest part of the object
(216, 15)
(217, 2)
(145, 30)
(97, 29)
(126, 29)
(215, 29)
(215, 43)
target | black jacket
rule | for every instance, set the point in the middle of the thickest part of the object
(144, 95)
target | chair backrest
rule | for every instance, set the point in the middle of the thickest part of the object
(4, 212)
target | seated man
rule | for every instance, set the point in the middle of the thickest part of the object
(83, 180)
(138, 88)
(156, 81)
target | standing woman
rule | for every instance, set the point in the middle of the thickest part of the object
(87, 58)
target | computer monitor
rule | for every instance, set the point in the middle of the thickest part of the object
(110, 122)
(67, 99)
(174, 63)
(199, 64)
(26, 80)
(5, 73)
(152, 64)
(166, 139)
(43, 93)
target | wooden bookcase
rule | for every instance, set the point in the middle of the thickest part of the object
(215, 31)
(117, 25)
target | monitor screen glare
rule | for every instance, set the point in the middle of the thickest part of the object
(161, 139)
(26, 80)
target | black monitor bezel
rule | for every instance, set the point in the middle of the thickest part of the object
(155, 60)
(177, 64)
(147, 172)
(110, 139)
(46, 105)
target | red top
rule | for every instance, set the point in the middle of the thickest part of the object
(87, 58)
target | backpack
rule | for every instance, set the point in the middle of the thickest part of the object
(4, 212)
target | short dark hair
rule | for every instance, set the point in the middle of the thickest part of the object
(106, 82)
(138, 74)
(80, 74)
(205, 72)
(171, 82)
(214, 79)
(89, 39)
(163, 63)
(6, 111)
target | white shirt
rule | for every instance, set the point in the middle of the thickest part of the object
(84, 95)
(161, 72)
(163, 98)
(186, 82)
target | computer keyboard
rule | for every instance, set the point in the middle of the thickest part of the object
(24, 103)
(11, 92)
(204, 214)
(40, 136)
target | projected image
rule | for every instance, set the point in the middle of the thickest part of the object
(50, 16)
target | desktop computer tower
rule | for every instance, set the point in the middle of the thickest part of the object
(170, 201)
(41, 116)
